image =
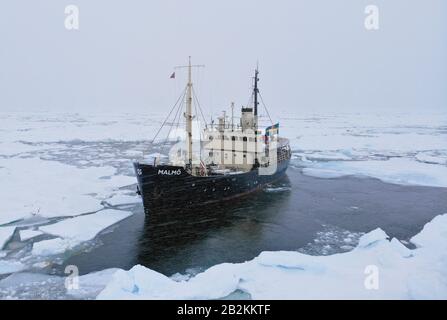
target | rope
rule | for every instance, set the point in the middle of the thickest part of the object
(198, 104)
(175, 117)
(200, 133)
(166, 119)
(265, 107)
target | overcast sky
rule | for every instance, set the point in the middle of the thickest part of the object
(314, 55)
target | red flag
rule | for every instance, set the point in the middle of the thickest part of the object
(172, 76)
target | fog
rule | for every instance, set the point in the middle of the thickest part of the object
(314, 56)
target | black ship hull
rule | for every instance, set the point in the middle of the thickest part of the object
(170, 187)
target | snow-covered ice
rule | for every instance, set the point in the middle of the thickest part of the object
(5, 235)
(29, 234)
(69, 166)
(60, 166)
(402, 273)
(43, 127)
(434, 234)
(432, 157)
(53, 189)
(7, 266)
(395, 170)
(90, 285)
(331, 240)
(396, 148)
(120, 199)
(74, 231)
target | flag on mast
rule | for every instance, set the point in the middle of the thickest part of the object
(172, 75)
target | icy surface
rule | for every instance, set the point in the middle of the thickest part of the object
(52, 189)
(61, 166)
(29, 234)
(332, 240)
(7, 266)
(395, 170)
(432, 157)
(72, 232)
(92, 284)
(434, 234)
(396, 148)
(5, 235)
(120, 199)
(403, 273)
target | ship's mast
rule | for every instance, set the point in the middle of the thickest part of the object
(255, 93)
(188, 114)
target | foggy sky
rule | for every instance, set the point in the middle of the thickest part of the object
(313, 55)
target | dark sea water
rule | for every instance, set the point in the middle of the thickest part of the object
(312, 215)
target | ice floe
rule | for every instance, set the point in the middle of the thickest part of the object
(7, 266)
(53, 189)
(74, 231)
(432, 157)
(401, 273)
(25, 285)
(42, 127)
(395, 170)
(120, 199)
(332, 240)
(5, 235)
(29, 234)
(330, 146)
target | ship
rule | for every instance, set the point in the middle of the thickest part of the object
(234, 158)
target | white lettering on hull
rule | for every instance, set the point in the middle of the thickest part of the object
(170, 172)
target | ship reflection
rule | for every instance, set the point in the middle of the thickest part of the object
(178, 239)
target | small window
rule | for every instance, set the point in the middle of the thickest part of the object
(245, 138)
(233, 138)
(211, 154)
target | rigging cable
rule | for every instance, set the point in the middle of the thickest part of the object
(198, 104)
(265, 107)
(167, 118)
(175, 117)
(200, 132)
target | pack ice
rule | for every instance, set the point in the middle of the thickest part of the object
(406, 148)
(401, 273)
